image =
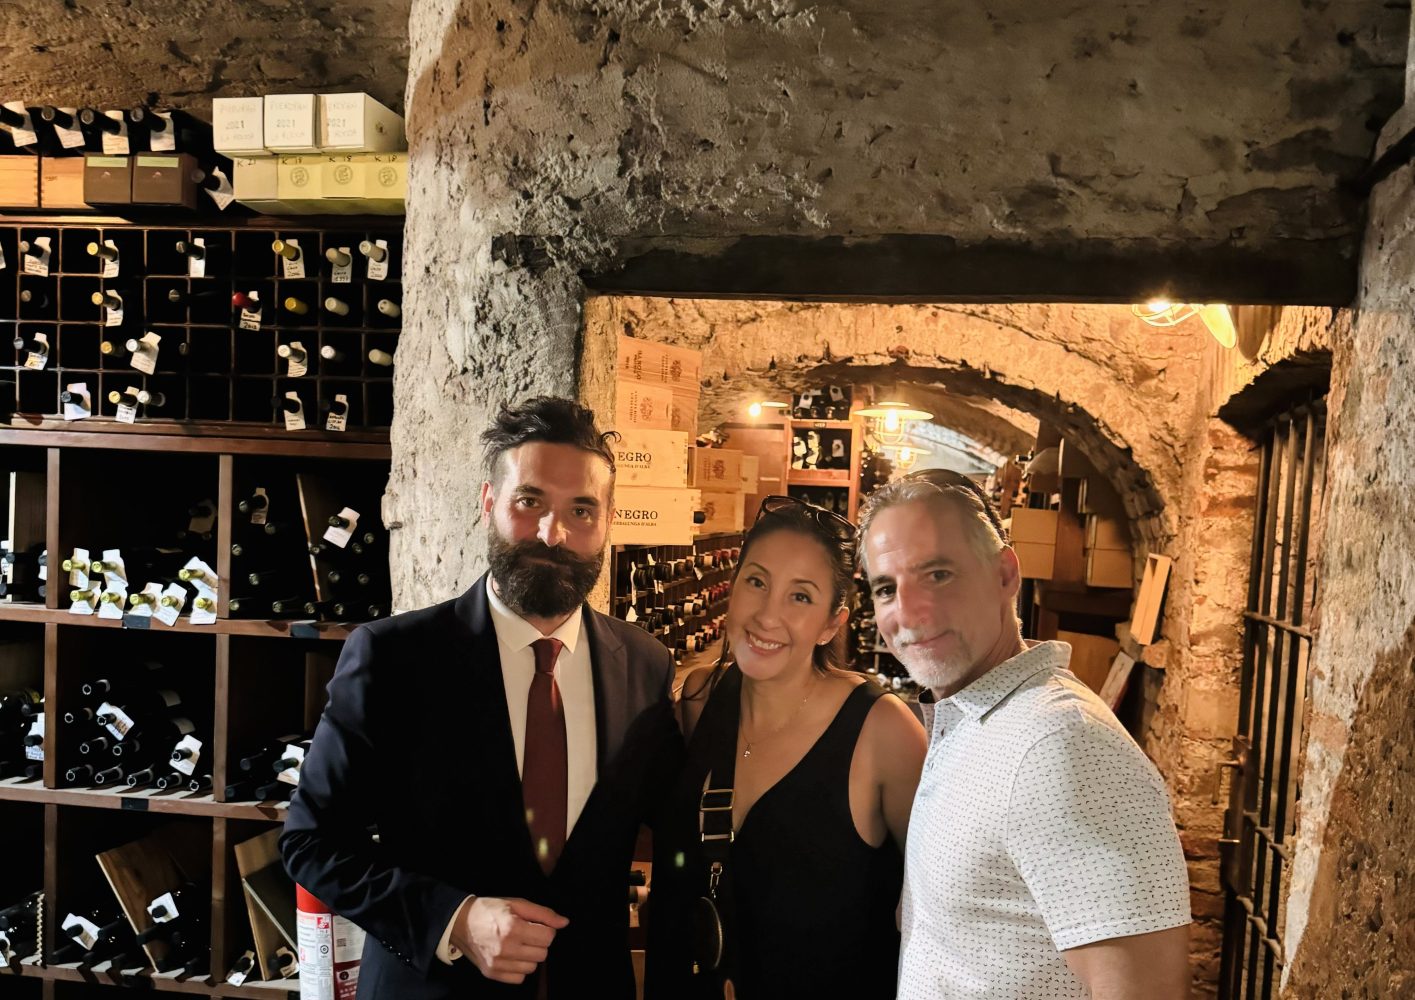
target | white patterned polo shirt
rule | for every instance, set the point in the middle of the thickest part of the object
(1039, 825)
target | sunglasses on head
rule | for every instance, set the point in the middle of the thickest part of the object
(944, 478)
(836, 526)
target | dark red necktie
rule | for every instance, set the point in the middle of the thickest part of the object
(545, 768)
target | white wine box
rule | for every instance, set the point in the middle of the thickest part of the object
(378, 182)
(716, 469)
(299, 185)
(238, 125)
(255, 185)
(651, 458)
(650, 362)
(647, 515)
(356, 123)
(292, 123)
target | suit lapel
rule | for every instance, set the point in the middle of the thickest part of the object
(610, 668)
(488, 714)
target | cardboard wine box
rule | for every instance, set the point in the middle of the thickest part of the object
(356, 123)
(165, 179)
(108, 180)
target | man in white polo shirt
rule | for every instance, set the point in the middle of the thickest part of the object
(1042, 861)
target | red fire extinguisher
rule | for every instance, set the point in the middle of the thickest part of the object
(330, 947)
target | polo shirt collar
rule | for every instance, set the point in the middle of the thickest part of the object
(515, 633)
(984, 694)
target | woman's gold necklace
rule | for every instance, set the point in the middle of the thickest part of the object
(748, 743)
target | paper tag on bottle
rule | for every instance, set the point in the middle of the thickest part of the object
(298, 360)
(378, 269)
(205, 578)
(39, 265)
(343, 274)
(291, 775)
(110, 267)
(250, 318)
(70, 138)
(262, 515)
(293, 268)
(166, 140)
(119, 573)
(82, 406)
(205, 518)
(188, 765)
(146, 608)
(117, 145)
(697, 572)
(82, 930)
(165, 907)
(119, 723)
(85, 607)
(196, 266)
(294, 421)
(113, 610)
(168, 615)
(223, 195)
(633, 589)
(44, 572)
(2, 258)
(24, 135)
(113, 315)
(128, 412)
(36, 360)
(36, 728)
(338, 421)
(631, 615)
(238, 976)
(78, 576)
(341, 536)
(204, 616)
(144, 359)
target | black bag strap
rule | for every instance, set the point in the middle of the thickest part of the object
(715, 806)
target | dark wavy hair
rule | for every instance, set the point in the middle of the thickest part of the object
(841, 556)
(544, 418)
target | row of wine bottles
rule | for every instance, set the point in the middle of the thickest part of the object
(22, 573)
(269, 773)
(177, 933)
(120, 254)
(53, 131)
(21, 734)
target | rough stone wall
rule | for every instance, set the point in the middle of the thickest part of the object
(173, 52)
(582, 124)
(1349, 914)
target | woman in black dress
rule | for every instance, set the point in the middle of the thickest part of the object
(822, 766)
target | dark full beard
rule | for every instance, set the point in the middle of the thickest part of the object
(541, 590)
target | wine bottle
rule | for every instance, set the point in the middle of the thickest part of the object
(273, 528)
(102, 251)
(152, 399)
(273, 791)
(119, 397)
(144, 777)
(109, 776)
(373, 251)
(107, 299)
(70, 398)
(189, 573)
(139, 599)
(287, 404)
(286, 249)
(297, 306)
(329, 353)
(254, 503)
(37, 298)
(337, 306)
(338, 257)
(296, 355)
(57, 118)
(245, 300)
(199, 783)
(96, 745)
(284, 962)
(95, 120)
(113, 349)
(172, 779)
(177, 296)
(89, 596)
(151, 702)
(390, 308)
(338, 521)
(204, 604)
(381, 358)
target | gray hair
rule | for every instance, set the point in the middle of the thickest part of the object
(980, 521)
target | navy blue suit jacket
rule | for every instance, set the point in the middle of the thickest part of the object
(415, 742)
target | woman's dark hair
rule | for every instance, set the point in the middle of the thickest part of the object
(841, 557)
(544, 418)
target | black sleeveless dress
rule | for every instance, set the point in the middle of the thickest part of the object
(810, 908)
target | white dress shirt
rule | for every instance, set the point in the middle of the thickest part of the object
(1038, 826)
(514, 636)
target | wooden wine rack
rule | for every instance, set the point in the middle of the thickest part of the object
(247, 680)
(227, 375)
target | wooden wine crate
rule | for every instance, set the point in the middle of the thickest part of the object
(19, 181)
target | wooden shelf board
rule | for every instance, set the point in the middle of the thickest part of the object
(147, 979)
(273, 628)
(824, 425)
(140, 800)
(206, 438)
(818, 477)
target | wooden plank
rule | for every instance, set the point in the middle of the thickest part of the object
(1070, 562)
(172, 440)
(225, 510)
(141, 800)
(1144, 626)
(253, 856)
(56, 580)
(266, 628)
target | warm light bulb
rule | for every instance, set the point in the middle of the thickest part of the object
(1158, 305)
(905, 454)
(755, 410)
(891, 421)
